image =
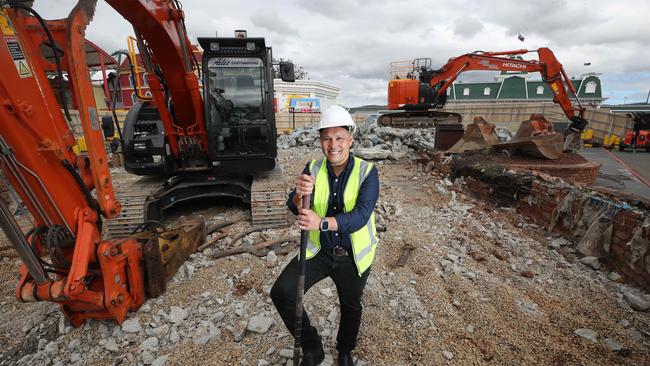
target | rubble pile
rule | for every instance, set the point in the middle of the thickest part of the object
(481, 285)
(371, 142)
(376, 143)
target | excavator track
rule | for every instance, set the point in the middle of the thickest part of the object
(132, 197)
(268, 199)
(417, 119)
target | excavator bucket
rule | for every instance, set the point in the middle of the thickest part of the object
(478, 135)
(535, 137)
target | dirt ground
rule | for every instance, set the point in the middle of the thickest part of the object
(481, 286)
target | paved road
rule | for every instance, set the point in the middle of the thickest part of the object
(630, 172)
(639, 161)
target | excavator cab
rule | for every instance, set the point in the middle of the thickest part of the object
(238, 94)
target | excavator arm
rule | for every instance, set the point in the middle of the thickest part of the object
(64, 258)
(167, 55)
(548, 66)
(429, 90)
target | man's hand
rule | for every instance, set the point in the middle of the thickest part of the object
(304, 185)
(308, 220)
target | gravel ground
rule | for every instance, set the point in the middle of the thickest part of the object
(481, 286)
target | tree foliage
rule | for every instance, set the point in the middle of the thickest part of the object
(298, 71)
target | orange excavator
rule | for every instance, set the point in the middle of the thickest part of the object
(416, 99)
(64, 258)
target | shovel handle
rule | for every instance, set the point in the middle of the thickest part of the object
(300, 286)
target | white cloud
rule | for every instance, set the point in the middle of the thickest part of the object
(270, 21)
(467, 26)
(350, 44)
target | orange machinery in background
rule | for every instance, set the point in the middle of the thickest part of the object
(415, 100)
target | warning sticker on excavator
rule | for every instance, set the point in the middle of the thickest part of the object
(23, 69)
(5, 24)
(18, 56)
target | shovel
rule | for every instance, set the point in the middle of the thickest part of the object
(300, 286)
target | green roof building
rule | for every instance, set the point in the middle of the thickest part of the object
(515, 86)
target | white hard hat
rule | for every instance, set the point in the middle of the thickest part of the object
(336, 116)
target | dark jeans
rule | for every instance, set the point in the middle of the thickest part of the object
(349, 286)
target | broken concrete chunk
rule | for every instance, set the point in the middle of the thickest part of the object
(448, 355)
(612, 345)
(637, 303)
(177, 314)
(373, 153)
(131, 325)
(587, 334)
(591, 262)
(259, 324)
(560, 242)
(615, 277)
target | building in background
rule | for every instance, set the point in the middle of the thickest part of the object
(127, 97)
(303, 96)
(98, 62)
(517, 86)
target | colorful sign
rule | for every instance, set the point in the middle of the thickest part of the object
(305, 105)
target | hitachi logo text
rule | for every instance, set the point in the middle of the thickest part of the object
(513, 65)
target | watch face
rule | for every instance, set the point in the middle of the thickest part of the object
(324, 225)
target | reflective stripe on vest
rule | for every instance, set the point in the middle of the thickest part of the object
(364, 241)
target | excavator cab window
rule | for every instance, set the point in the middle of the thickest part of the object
(236, 93)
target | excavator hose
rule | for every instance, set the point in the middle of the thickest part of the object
(39, 232)
(57, 237)
(92, 202)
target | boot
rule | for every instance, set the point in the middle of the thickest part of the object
(345, 359)
(313, 357)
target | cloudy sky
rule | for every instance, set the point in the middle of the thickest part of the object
(350, 43)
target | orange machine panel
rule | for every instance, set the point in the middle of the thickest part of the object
(402, 91)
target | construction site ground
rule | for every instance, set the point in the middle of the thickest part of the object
(481, 286)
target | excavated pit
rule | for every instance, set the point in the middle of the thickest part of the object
(611, 226)
(570, 167)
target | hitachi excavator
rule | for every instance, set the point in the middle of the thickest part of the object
(415, 99)
(222, 136)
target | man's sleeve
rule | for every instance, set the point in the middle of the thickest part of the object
(354, 220)
(290, 203)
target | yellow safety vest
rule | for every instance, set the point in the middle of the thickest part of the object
(364, 241)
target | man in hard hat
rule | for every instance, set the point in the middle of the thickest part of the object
(342, 234)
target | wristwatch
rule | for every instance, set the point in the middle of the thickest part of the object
(324, 225)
